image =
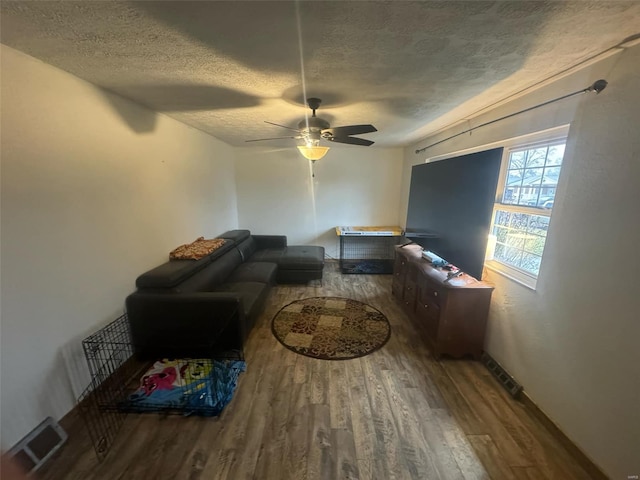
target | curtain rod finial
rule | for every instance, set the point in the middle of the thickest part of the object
(599, 85)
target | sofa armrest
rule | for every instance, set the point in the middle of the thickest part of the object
(270, 241)
(189, 325)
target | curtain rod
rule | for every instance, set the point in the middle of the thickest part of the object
(597, 86)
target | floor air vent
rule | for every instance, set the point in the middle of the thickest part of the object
(506, 380)
(39, 445)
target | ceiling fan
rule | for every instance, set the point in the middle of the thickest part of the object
(313, 129)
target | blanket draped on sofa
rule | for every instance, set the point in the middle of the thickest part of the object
(197, 249)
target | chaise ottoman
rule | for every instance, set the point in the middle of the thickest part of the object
(296, 263)
(300, 264)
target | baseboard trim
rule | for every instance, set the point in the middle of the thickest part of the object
(583, 460)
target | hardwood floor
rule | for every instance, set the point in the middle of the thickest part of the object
(394, 414)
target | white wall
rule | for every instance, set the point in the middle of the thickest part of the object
(95, 191)
(352, 186)
(573, 343)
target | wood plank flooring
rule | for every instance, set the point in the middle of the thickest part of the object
(394, 414)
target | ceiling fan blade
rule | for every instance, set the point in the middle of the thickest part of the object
(351, 141)
(274, 138)
(350, 130)
(283, 126)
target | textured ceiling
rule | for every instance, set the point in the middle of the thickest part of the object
(409, 68)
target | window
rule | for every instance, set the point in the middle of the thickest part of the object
(524, 203)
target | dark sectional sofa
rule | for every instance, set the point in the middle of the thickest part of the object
(199, 308)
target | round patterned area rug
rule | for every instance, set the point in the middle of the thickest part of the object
(331, 328)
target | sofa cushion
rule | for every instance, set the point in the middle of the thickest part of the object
(171, 274)
(270, 241)
(213, 274)
(217, 253)
(268, 255)
(247, 248)
(236, 236)
(262, 272)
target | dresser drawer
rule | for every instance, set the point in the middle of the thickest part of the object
(428, 315)
(427, 309)
(400, 267)
(430, 294)
(409, 295)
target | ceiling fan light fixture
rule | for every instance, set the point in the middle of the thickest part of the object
(313, 153)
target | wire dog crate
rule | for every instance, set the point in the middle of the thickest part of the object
(112, 365)
(367, 255)
(367, 250)
(122, 383)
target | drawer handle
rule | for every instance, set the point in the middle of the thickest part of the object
(426, 306)
(435, 294)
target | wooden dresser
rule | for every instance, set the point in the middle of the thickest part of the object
(453, 314)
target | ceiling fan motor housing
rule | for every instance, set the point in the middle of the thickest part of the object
(311, 128)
